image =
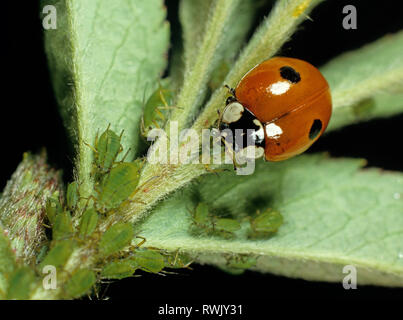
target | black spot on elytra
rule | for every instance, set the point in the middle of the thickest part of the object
(315, 129)
(290, 74)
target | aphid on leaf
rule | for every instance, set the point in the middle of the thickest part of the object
(201, 217)
(241, 262)
(118, 269)
(72, 196)
(156, 110)
(211, 225)
(53, 208)
(88, 222)
(225, 226)
(20, 284)
(238, 264)
(106, 150)
(58, 254)
(118, 185)
(265, 224)
(148, 260)
(62, 226)
(80, 283)
(115, 238)
(177, 261)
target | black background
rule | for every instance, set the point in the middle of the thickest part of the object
(30, 121)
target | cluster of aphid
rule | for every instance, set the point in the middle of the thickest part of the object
(263, 225)
(77, 222)
(114, 181)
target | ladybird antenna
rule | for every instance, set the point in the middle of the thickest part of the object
(231, 90)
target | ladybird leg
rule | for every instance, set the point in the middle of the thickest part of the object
(228, 149)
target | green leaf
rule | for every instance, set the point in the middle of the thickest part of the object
(204, 58)
(103, 55)
(368, 82)
(334, 215)
(194, 15)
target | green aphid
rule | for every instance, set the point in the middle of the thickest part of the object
(241, 262)
(21, 284)
(116, 238)
(238, 264)
(265, 224)
(156, 110)
(106, 149)
(208, 224)
(62, 226)
(225, 226)
(80, 283)
(42, 253)
(72, 196)
(118, 185)
(59, 254)
(118, 269)
(177, 261)
(148, 260)
(88, 222)
(53, 208)
(201, 216)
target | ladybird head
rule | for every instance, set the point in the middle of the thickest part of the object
(242, 131)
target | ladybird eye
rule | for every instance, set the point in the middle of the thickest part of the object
(290, 74)
(315, 129)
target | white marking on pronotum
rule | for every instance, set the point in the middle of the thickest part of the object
(279, 87)
(258, 134)
(273, 131)
(233, 112)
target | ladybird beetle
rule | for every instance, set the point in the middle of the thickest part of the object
(286, 101)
